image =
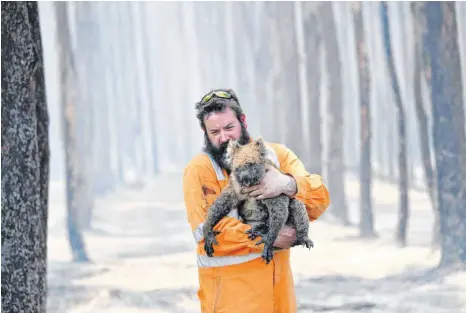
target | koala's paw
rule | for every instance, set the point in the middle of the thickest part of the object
(209, 241)
(267, 253)
(304, 241)
(254, 232)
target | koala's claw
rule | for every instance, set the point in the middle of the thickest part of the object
(267, 254)
(209, 241)
(260, 242)
(253, 234)
(209, 249)
(306, 242)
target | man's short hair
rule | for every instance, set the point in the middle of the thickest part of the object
(218, 104)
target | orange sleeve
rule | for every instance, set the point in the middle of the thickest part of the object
(311, 188)
(200, 188)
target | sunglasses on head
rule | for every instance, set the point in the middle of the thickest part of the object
(219, 94)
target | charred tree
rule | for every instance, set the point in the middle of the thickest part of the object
(87, 117)
(25, 161)
(448, 128)
(336, 170)
(74, 180)
(312, 46)
(95, 109)
(366, 225)
(423, 123)
(289, 87)
(267, 68)
(403, 216)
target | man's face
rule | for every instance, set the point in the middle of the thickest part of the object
(220, 128)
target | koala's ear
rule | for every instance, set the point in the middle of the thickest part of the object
(233, 146)
(260, 141)
(261, 146)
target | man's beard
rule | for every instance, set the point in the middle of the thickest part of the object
(218, 153)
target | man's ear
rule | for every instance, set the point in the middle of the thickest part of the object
(242, 118)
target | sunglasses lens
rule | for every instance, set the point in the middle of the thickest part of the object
(223, 94)
(207, 98)
(220, 94)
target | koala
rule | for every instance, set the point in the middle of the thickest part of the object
(248, 166)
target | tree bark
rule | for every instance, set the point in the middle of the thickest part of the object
(87, 115)
(336, 170)
(312, 44)
(366, 226)
(267, 69)
(68, 106)
(448, 129)
(429, 171)
(403, 216)
(293, 127)
(25, 161)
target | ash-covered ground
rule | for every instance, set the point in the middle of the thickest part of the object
(143, 258)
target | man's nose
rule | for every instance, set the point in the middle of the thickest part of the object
(223, 137)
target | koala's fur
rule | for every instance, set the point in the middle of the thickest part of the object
(267, 216)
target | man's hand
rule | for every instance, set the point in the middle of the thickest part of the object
(273, 184)
(286, 237)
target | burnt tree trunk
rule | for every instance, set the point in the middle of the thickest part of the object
(366, 221)
(277, 71)
(68, 85)
(403, 216)
(93, 105)
(86, 118)
(104, 176)
(293, 132)
(429, 171)
(269, 69)
(25, 161)
(312, 46)
(336, 171)
(448, 128)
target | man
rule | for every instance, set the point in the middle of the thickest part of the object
(236, 279)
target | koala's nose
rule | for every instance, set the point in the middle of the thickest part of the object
(243, 175)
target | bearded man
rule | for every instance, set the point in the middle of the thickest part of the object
(236, 279)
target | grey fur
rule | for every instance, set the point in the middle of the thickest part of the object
(266, 216)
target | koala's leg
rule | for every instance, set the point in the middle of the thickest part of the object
(300, 220)
(219, 209)
(260, 225)
(278, 212)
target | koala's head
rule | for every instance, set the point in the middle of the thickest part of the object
(247, 162)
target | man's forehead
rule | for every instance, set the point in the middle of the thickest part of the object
(220, 119)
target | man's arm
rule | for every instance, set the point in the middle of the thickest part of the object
(291, 187)
(200, 190)
(309, 188)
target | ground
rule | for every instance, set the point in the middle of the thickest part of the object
(143, 258)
